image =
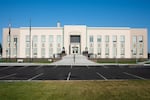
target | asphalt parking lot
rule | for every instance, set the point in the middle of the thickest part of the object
(70, 72)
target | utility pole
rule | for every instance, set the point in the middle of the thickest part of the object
(30, 39)
(9, 34)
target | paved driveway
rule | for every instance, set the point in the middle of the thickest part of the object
(74, 60)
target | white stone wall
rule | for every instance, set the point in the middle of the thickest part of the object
(81, 30)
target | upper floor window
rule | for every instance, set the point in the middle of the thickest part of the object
(114, 38)
(99, 39)
(91, 38)
(122, 38)
(27, 38)
(58, 38)
(134, 39)
(43, 38)
(140, 38)
(106, 38)
(50, 38)
(8, 38)
(35, 38)
(15, 39)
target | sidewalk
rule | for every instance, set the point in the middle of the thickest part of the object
(77, 60)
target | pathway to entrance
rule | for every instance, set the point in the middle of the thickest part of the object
(77, 60)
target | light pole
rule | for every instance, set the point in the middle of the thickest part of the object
(30, 40)
(74, 58)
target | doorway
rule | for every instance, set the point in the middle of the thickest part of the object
(74, 44)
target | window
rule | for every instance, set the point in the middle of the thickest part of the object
(114, 38)
(91, 50)
(27, 38)
(106, 38)
(35, 51)
(14, 51)
(141, 51)
(35, 38)
(99, 51)
(34, 45)
(43, 38)
(114, 52)
(122, 51)
(50, 38)
(58, 38)
(75, 38)
(27, 51)
(134, 39)
(27, 44)
(43, 52)
(99, 38)
(43, 45)
(140, 38)
(8, 38)
(91, 38)
(58, 50)
(134, 51)
(50, 51)
(106, 51)
(122, 38)
(15, 39)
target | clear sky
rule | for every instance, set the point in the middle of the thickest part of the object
(103, 13)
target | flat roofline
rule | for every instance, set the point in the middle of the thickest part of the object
(109, 27)
(42, 27)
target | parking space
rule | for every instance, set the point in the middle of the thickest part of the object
(72, 72)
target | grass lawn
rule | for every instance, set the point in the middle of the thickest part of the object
(76, 90)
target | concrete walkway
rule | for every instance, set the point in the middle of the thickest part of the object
(79, 60)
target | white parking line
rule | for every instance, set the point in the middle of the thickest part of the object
(134, 75)
(55, 66)
(69, 74)
(101, 76)
(22, 67)
(5, 68)
(105, 66)
(8, 76)
(35, 76)
(38, 67)
(71, 66)
(87, 66)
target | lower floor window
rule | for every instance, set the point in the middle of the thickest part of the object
(50, 52)
(43, 52)
(141, 51)
(91, 50)
(99, 51)
(122, 51)
(35, 52)
(107, 51)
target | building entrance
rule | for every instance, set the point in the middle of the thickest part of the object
(75, 44)
(75, 48)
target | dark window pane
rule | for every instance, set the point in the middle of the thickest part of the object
(75, 39)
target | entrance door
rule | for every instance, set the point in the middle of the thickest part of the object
(75, 50)
(74, 44)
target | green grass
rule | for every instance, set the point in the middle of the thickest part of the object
(76, 90)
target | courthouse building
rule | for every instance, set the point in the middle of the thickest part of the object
(103, 42)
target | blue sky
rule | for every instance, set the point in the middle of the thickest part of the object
(103, 13)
